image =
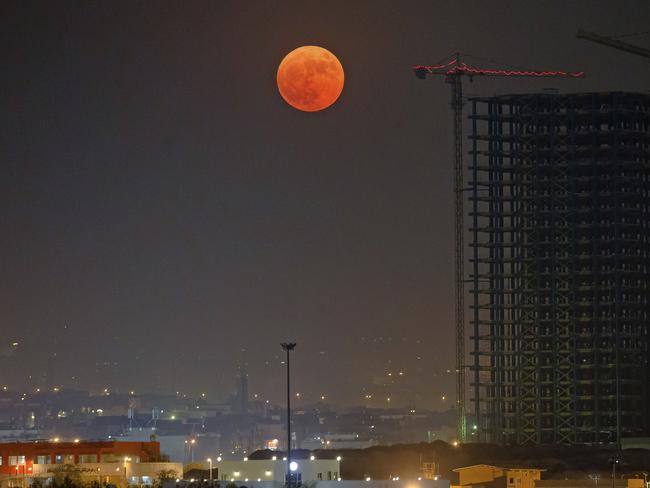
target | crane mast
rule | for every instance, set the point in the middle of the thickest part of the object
(454, 70)
(459, 249)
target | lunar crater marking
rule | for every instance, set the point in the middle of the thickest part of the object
(310, 78)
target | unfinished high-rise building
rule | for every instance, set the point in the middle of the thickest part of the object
(560, 267)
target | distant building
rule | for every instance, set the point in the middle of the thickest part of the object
(336, 441)
(242, 393)
(590, 483)
(487, 476)
(274, 470)
(560, 256)
(112, 462)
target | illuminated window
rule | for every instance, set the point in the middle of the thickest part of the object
(0, 460)
(43, 460)
(58, 459)
(16, 460)
(87, 458)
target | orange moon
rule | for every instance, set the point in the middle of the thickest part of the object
(310, 78)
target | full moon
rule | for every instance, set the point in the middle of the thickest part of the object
(310, 78)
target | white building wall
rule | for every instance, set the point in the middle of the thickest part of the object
(269, 470)
(440, 483)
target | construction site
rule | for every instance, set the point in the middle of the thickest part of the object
(560, 267)
(559, 260)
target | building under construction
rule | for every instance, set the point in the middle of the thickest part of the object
(560, 260)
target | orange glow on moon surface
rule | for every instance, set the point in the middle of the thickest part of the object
(310, 78)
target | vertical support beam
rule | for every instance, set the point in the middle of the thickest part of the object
(475, 263)
(617, 264)
(459, 247)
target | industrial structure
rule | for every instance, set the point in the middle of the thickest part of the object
(560, 267)
(454, 69)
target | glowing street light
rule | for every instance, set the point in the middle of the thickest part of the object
(210, 461)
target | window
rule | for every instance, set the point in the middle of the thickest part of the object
(43, 460)
(58, 459)
(320, 476)
(329, 475)
(512, 480)
(16, 460)
(87, 458)
(0, 460)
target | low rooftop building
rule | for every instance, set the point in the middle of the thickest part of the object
(488, 476)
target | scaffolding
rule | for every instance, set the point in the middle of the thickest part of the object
(560, 259)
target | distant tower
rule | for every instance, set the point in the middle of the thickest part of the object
(242, 392)
(49, 371)
(560, 196)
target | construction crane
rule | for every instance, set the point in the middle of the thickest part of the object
(614, 43)
(453, 69)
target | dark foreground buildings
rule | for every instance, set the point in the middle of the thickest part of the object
(560, 259)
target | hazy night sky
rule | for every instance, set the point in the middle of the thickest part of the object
(165, 216)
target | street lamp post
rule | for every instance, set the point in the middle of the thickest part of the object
(210, 461)
(614, 470)
(126, 478)
(190, 446)
(288, 347)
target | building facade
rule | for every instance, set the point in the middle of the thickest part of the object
(268, 470)
(113, 462)
(488, 476)
(560, 260)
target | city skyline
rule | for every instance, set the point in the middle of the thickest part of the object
(167, 218)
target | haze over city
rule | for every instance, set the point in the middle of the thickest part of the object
(167, 219)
